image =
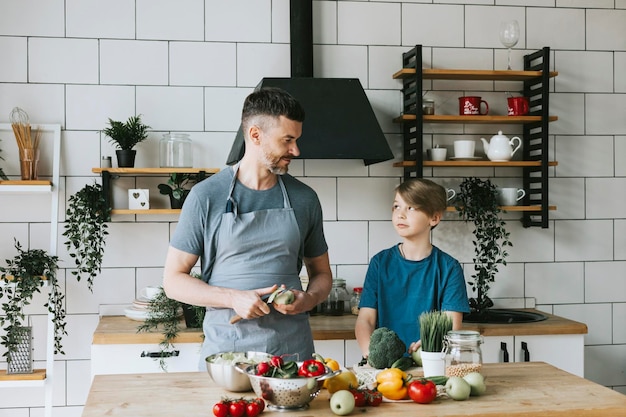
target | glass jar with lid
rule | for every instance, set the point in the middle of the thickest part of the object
(355, 300)
(338, 298)
(175, 151)
(463, 354)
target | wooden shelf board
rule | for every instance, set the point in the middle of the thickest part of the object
(21, 186)
(484, 163)
(149, 211)
(154, 170)
(37, 375)
(446, 118)
(515, 208)
(480, 75)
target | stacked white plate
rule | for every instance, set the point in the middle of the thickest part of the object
(138, 310)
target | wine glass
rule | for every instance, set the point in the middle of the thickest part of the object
(509, 35)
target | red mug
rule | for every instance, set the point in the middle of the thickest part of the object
(471, 105)
(518, 106)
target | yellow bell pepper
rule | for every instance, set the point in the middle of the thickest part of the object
(332, 364)
(391, 383)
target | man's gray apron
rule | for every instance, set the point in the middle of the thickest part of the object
(255, 250)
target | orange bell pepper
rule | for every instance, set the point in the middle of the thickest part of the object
(392, 383)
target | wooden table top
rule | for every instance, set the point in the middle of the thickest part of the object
(532, 389)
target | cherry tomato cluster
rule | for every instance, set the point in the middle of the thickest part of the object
(240, 407)
(366, 397)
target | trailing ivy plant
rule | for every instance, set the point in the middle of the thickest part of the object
(2, 174)
(25, 274)
(86, 231)
(477, 203)
(164, 315)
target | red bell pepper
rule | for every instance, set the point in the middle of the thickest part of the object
(276, 361)
(311, 368)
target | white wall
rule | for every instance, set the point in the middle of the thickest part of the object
(186, 66)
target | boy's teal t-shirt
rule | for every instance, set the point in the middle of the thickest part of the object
(400, 290)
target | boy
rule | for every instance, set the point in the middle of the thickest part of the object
(413, 276)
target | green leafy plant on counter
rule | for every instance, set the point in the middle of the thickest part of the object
(164, 315)
(23, 277)
(126, 136)
(86, 231)
(477, 203)
(434, 325)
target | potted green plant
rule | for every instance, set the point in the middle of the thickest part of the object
(164, 315)
(24, 276)
(477, 202)
(178, 187)
(125, 136)
(434, 326)
(86, 231)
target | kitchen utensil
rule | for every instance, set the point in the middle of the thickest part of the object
(269, 299)
(437, 154)
(223, 372)
(471, 106)
(285, 394)
(500, 148)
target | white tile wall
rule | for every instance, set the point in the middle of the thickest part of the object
(188, 67)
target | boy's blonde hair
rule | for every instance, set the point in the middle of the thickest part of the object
(425, 195)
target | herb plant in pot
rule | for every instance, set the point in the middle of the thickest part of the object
(24, 276)
(434, 326)
(477, 203)
(178, 187)
(125, 136)
(86, 231)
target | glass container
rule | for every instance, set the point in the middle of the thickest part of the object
(338, 299)
(428, 107)
(463, 354)
(355, 300)
(175, 151)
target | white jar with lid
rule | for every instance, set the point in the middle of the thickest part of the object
(463, 354)
(175, 151)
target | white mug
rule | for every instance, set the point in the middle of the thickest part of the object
(464, 148)
(510, 196)
(149, 292)
(451, 194)
(437, 154)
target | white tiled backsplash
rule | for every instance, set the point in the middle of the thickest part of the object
(188, 69)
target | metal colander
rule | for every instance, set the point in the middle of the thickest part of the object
(285, 393)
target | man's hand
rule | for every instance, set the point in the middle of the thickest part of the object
(302, 302)
(249, 305)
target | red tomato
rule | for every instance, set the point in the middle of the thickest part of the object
(373, 398)
(422, 391)
(359, 398)
(253, 409)
(237, 408)
(220, 410)
(261, 404)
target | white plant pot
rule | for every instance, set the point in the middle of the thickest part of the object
(433, 363)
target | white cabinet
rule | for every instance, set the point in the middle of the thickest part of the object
(137, 358)
(565, 351)
(346, 352)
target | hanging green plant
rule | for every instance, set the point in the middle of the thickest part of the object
(477, 203)
(24, 276)
(86, 231)
(2, 174)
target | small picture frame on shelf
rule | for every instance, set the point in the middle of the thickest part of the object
(138, 199)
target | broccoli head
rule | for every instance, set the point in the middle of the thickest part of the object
(385, 348)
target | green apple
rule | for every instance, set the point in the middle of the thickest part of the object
(457, 388)
(285, 297)
(342, 402)
(477, 383)
(417, 356)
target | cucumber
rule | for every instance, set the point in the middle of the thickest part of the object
(403, 363)
(438, 380)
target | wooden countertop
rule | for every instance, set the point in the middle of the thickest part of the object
(532, 389)
(122, 330)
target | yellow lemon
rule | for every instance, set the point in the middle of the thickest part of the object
(344, 380)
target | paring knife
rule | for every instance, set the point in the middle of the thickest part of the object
(269, 299)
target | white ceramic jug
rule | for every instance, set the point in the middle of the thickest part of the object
(500, 147)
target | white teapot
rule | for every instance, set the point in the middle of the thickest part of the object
(500, 148)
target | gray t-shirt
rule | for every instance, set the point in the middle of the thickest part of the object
(200, 218)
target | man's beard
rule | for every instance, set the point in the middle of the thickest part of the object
(273, 166)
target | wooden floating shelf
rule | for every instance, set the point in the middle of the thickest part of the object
(20, 186)
(149, 211)
(36, 375)
(477, 75)
(154, 170)
(485, 163)
(515, 208)
(437, 118)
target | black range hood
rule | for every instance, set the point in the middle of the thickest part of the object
(340, 122)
